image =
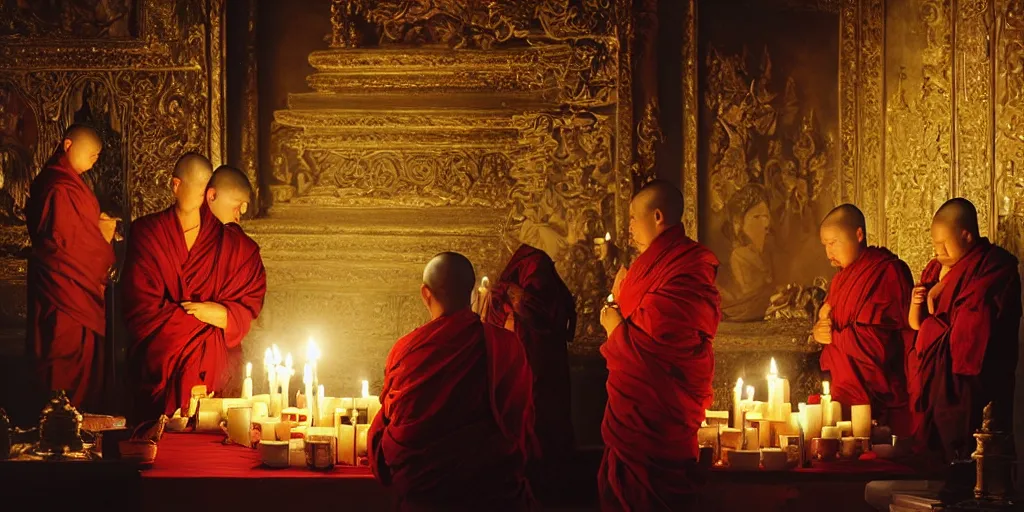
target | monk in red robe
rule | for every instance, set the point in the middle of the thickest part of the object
(194, 282)
(531, 298)
(863, 323)
(68, 271)
(660, 361)
(968, 310)
(457, 414)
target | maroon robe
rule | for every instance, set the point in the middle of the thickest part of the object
(171, 351)
(545, 322)
(871, 337)
(456, 418)
(660, 366)
(68, 271)
(968, 348)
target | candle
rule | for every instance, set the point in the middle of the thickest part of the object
(307, 381)
(812, 421)
(366, 388)
(830, 433)
(346, 437)
(319, 405)
(750, 393)
(271, 367)
(312, 356)
(372, 403)
(835, 415)
(826, 405)
(846, 427)
(239, 425)
(737, 397)
(860, 416)
(750, 439)
(284, 376)
(774, 392)
(247, 383)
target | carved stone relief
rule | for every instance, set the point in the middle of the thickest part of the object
(19, 135)
(1009, 112)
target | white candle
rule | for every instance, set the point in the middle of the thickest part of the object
(846, 427)
(812, 421)
(285, 377)
(826, 405)
(307, 381)
(836, 414)
(366, 389)
(312, 357)
(750, 393)
(774, 393)
(860, 416)
(830, 433)
(271, 367)
(751, 439)
(247, 383)
(737, 398)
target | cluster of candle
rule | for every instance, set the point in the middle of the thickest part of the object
(343, 423)
(769, 432)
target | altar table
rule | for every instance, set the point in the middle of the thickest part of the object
(199, 470)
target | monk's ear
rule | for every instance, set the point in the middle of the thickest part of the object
(860, 235)
(968, 237)
(175, 185)
(67, 145)
(425, 294)
(659, 218)
(211, 194)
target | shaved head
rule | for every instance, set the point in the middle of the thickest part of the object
(960, 214)
(80, 147)
(450, 279)
(228, 194)
(663, 196)
(954, 231)
(844, 235)
(193, 168)
(656, 207)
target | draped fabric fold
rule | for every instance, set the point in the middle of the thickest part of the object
(68, 269)
(456, 418)
(966, 352)
(171, 350)
(660, 367)
(544, 313)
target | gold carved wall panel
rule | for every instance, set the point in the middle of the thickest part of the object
(1009, 122)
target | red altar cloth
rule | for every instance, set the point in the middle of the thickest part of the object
(192, 455)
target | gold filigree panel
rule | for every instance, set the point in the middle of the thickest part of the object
(973, 140)
(1009, 121)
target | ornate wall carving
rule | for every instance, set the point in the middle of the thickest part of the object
(144, 72)
(1009, 121)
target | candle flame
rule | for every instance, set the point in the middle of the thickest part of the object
(825, 387)
(277, 354)
(320, 392)
(248, 370)
(750, 393)
(607, 237)
(288, 361)
(366, 389)
(773, 369)
(312, 351)
(739, 385)
(268, 358)
(307, 374)
(611, 298)
(484, 282)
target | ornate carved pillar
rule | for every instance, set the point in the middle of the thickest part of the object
(249, 150)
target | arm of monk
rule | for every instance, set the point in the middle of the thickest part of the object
(378, 463)
(147, 311)
(245, 300)
(978, 310)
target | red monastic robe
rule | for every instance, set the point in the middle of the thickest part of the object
(456, 418)
(68, 270)
(660, 366)
(870, 336)
(171, 350)
(544, 322)
(968, 348)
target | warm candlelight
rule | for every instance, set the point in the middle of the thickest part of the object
(485, 283)
(611, 298)
(774, 392)
(247, 383)
(826, 405)
(825, 387)
(312, 356)
(607, 237)
(737, 397)
(750, 393)
(860, 419)
(307, 381)
(366, 389)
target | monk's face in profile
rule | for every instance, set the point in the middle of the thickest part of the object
(643, 223)
(227, 205)
(189, 196)
(82, 154)
(950, 243)
(842, 245)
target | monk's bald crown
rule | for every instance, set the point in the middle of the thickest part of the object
(450, 278)
(958, 213)
(79, 132)
(230, 179)
(193, 168)
(664, 196)
(846, 217)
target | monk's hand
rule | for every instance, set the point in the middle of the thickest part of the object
(825, 313)
(933, 295)
(108, 226)
(919, 294)
(514, 294)
(822, 332)
(620, 276)
(208, 313)
(610, 318)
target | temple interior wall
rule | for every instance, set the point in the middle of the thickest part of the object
(381, 136)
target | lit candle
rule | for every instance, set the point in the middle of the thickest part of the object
(312, 356)
(307, 381)
(812, 423)
(271, 366)
(750, 393)
(372, 403)
(860, 417)
(285, 377)
(737, 397)
(774, 393)
(247, 383)
(366, 389)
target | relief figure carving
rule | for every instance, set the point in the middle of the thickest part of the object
(89, 19)
(18, 139)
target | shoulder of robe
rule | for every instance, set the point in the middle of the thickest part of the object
(1000, 257)
(245, 244)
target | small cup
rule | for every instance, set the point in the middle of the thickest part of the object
(774, 459)
(319, 455)
(849, 448)
(274, 453)
(823, 449)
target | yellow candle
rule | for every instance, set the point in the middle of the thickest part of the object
(860, 416)
(737, 399)
(247, 383)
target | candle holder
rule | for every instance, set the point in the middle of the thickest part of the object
(994, 458)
